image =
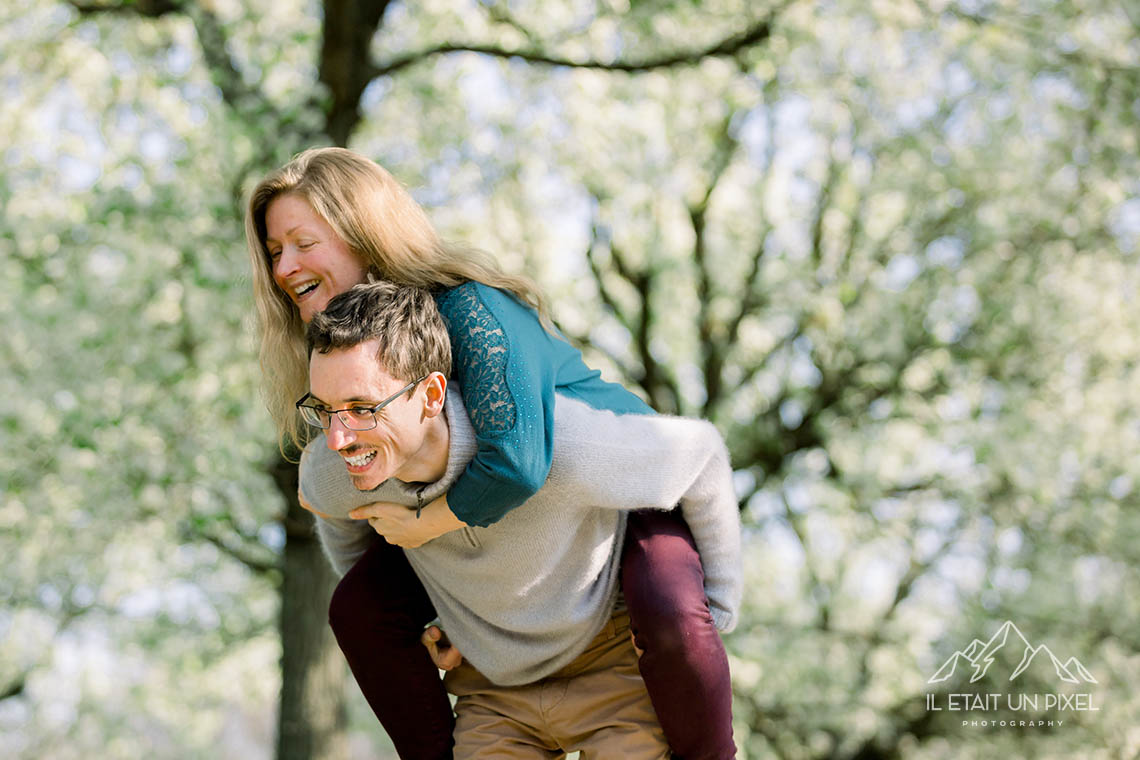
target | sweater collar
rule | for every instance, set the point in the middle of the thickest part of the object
(460, 450)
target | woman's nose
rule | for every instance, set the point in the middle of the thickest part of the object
(287, 263)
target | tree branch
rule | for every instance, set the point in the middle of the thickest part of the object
(814, 582)
(242, 555)
(211, 38)
(854, 231)
(223, 70)
(148, 8)
(737, 43)
(714, 352)
(752, 297)
(15, 688)
(823, 201)
(654, 379)
(223, 532)
(502, 15)
(596, 270)
(762, 363)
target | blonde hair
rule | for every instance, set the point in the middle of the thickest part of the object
(380, 223)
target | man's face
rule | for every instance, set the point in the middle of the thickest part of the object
(353, 377)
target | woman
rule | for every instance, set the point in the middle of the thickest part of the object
(330, 219)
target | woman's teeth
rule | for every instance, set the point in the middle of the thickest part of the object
(301, 290)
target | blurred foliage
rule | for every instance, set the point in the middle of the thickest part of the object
(889, 250)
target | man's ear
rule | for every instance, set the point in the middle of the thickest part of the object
(435, 393)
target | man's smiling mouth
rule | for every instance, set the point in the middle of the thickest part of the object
(360, 460)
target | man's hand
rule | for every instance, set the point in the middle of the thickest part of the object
(443, 653)
(399, 526)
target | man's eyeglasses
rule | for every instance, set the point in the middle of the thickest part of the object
(352, 417)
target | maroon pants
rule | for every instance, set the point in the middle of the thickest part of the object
(380, 609)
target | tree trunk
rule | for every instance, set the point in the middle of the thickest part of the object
(313, 717)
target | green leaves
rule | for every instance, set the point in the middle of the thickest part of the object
(886, 248)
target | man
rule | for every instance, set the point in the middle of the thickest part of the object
(530, 600)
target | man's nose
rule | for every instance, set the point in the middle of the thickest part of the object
(338, 435)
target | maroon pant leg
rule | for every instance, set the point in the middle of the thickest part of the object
(684, 663)
(378, 612)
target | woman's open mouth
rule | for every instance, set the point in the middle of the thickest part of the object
(305, 288)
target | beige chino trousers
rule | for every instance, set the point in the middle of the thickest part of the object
(596, 705)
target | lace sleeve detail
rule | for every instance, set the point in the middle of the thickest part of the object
(481, 349)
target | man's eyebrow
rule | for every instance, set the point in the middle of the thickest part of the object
(353, 400)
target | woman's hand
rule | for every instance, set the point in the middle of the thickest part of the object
(399, 526)
(443, 652)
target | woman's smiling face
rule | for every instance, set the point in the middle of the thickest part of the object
(309, 260)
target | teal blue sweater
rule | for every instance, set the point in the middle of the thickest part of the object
(509, 368)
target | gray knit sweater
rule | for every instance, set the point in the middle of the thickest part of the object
(523, 597)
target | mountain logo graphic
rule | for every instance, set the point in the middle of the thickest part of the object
(979, 656)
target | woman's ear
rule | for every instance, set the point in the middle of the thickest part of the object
(435, 392)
